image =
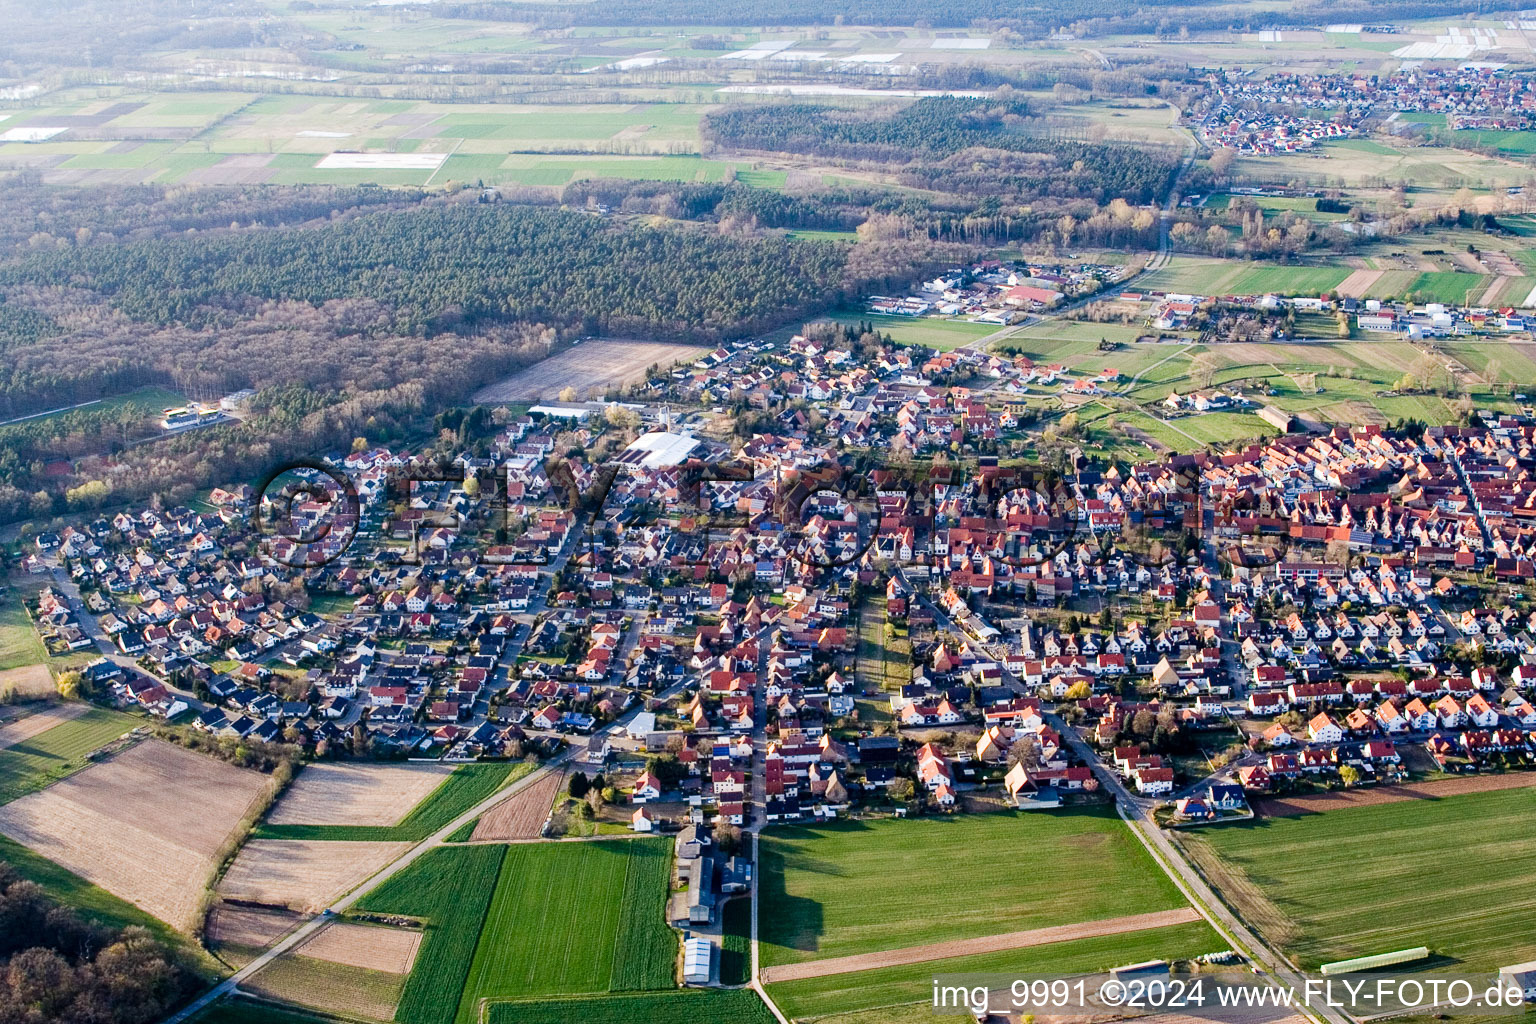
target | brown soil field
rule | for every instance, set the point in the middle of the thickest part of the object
(28, 681)
(1501, 263)
(40, 720)
(305, 874)
(144, 825)
(522, 814)
(361, 945)
(591, 368)
(307, 981)
(1358, 283)
(1287, 807)
(356, 794)
(983, 944)
(252, 927)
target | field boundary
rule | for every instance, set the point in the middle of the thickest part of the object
(982, 944)
(1289, 807)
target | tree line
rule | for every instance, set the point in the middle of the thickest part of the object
(62, 968)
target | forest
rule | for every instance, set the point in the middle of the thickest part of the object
(958, 145)
(55, 966)
(362, 322)
(460, 268)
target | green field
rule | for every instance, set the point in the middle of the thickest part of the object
(574, 918)
(690, 1006)
(913, 984)
(93, 902)
(1366, 880)
(244, 1011)
(531, 920)
(834, 890)
(1202, 276)
(1517, 143)
(468, 785)
(19, 643)
(450, 888)
(736, 942)
(1449, 286)
(58, 752)
(930, 332)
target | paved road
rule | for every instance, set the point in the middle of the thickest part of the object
(1137, 816)
(296, 937)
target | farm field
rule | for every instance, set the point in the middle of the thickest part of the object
(1201, 276)
(1510, 361)
(591, 369)
(305, 874)
(575, 918)
(19, 642)
(1288, 877)
(348, 793)
(144, 825)
(454, 793)
(521, 815)
(930, 332)
(736, 942)
(1353, 162)
(248, 137)
(449, 889)
(689, 1006)
(90, 900)
(896, 987)
(323, 985)
(38, 718)
(828, 892)
(245, 1011)
(33, 762)
(237, 934)
(392, 950)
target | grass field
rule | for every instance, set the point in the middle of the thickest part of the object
(931, 332)
(92, 901)
(574, 918)
(530, 920)
(59, 752)
(19, 642)
(1202, 276)
(468, 785)
(894, 987)
(690, 1006)
(834, 890)
(244, 1011)
(1449, 286)
(736, 943)
(450, 888)
(1366, 880)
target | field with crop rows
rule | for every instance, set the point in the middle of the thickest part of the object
(575, 918)
(834, 890)
(690, 1006)
(450, 888)
(58, 752)
(1453, 874)
(468, 785)
(912, 984)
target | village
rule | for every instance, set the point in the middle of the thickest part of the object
(787, 639)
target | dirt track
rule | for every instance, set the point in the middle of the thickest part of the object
(1339, 799)
(983, 944)
(521, 815)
